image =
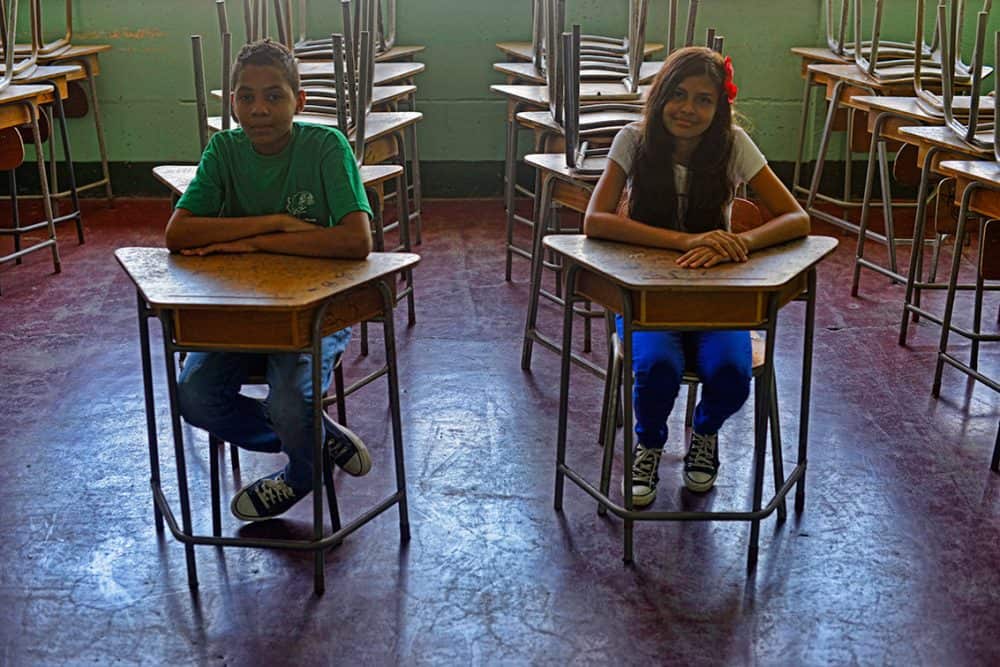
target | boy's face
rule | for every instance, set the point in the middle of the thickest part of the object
(264, 105)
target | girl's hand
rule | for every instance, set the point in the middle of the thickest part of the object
(227, 247)
(701, 257)
(732, 246)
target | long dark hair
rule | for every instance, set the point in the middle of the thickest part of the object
(653, 193)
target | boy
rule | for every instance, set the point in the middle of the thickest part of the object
(272, 185)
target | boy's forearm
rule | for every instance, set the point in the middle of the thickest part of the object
(330, 242)
(190, 231)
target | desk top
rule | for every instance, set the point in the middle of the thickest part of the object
(378, 123)
(819, 54)
(555, 163)
(385, 73)
(652, 269)
(47, 72)
(527, 71)
(945, 137)
(399, 53)
(523, 51)
(589, 93)
(985, 172)
(261, 281)
(177, 177)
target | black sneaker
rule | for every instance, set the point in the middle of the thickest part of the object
(701, 465)
(266, 498)
(644, 475)
(346, 449)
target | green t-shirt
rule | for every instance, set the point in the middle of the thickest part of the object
(314, 178)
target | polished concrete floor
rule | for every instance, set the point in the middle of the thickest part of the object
(895, 560)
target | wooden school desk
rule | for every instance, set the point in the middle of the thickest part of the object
(977, 189)
(261, 302)
(19, 105)
(934, 145)
(650, 291)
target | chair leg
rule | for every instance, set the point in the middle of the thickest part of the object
(995, 466)
(776, 451)
(338, 383)
(214, 445)
(692, 401)
(612, 387)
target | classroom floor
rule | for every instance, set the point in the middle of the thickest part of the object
(896, 559)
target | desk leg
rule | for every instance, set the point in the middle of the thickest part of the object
(761, 417)
(831, 114)
(803, 123)
(147, 387)
(318, 467)
(44, 183)
(545, 199)
(563, 381)
(807, 357)
(875, 148)
(949, 306)
(175, 422)
(913, 275)
(628, 420)
(397, 422)
(98, 128)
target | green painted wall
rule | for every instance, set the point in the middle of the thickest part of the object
(147, 94)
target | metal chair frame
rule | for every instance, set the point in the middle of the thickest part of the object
(965, 130)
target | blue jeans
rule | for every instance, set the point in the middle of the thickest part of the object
(209, 398)
(722, 359)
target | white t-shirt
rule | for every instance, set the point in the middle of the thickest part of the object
(744, 162)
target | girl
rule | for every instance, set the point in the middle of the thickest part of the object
(681, 166)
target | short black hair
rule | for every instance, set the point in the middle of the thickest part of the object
(268, 54)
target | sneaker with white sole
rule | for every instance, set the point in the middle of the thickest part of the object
(645, 475)
(266, 498)
(701, 465)
(346, 449)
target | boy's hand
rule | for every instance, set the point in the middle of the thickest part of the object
(732, 246)
(227, 247)
(701, 257)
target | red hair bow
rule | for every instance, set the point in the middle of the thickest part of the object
(731, 88)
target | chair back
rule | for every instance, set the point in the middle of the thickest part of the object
(745, 215)
(965, 128)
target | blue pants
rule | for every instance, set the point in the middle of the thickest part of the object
(209, 397)
(722, 359)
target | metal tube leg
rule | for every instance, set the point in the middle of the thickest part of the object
(777, 462)
(43, 182)
(952, 282)
(147, 386)
(318, 463)
(807, 354)
(762, 413)
(995, 465)
(627, 433)
(824, 144)
(404, 234)
(567, 340)
(890, 227)
(611, 385)
(15, 216)
(99, 128)
(417, 213)
(510, 193)
(803, 123)
(213, 465)
(397, 424)
(866, 206)
(919, 225)
(67, 155)
(544, 193)
(977, 312)
(175, 422)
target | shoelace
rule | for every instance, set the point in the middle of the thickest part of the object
(645, 465)
(271, 491)
(702, 452)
